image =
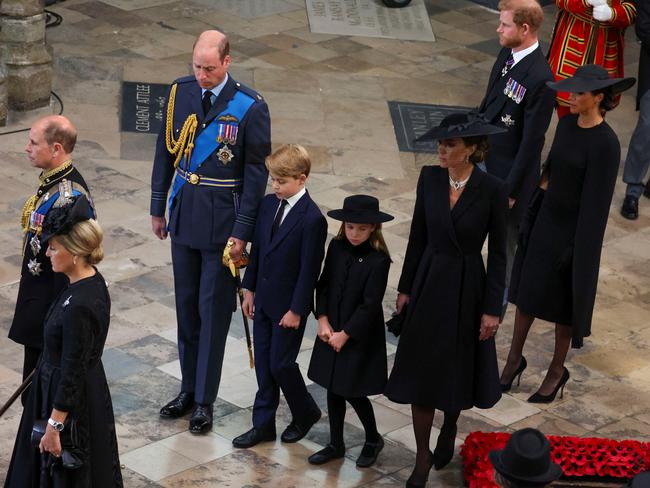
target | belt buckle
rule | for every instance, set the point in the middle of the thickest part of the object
(193, 178)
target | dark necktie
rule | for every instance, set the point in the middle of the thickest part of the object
(509, 63)
(278, 217)
(206, 102)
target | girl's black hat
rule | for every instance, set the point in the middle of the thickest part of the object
(360, 209)
(591, 77)
(461, 125)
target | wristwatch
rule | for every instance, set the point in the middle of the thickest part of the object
(58, 426)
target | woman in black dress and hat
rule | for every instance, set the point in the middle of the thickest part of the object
(69, 397)
(446, 357)
(349, 357)
(555, 271)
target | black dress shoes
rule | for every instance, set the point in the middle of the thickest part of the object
(327, 454)
(201, 419)
(630, 208)
(253, 437)
(369, 453)
(179, 406)
(296, 430)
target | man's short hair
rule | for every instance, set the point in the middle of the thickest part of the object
(222, 46)
(65, 134)
(524, 12)
(289, 160)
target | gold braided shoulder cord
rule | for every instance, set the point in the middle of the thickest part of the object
(185, 143)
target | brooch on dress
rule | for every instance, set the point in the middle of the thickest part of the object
(67, 302)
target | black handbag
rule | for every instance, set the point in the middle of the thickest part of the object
(396, 322)
(72, 457)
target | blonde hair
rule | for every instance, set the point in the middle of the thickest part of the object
(84, 240)
(524, 12)
(376, 239)
(289, 160)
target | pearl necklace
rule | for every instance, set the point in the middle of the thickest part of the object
(457, 185)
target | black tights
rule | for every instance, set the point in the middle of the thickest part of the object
(422, 422)
(336, 412)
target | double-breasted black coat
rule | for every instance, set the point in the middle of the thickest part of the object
(350, 292)
(440, 361)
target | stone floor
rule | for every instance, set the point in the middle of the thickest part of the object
(330, 93)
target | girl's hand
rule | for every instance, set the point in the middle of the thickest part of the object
(325, 330)
(50, 442)
(338, 340)
(489, 326)
(402, 299)
(247, 305)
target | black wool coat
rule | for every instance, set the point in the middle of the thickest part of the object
(350, 292)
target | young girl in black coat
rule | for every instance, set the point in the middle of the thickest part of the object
(349, 357)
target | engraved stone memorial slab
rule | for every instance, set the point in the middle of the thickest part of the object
(370, 18)
(143, 106)
(250, 9)
(411, 120)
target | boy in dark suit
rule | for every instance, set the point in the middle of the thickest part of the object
(286, 257)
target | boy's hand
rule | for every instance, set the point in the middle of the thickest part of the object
(338, 340)
(325, 330)
(247, 305)
(237, 248)
(290, 320)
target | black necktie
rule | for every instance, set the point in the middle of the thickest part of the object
(509, 63)
(206, 102)
(278, 217)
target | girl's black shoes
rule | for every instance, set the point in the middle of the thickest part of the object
(328, 453)
(369, 453)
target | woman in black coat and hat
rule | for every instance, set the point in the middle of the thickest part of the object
(69, 398)
(446, 357)
(555, 271)
(349, 357)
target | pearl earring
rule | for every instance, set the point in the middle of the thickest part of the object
(74, 260)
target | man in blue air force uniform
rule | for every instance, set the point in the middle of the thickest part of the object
(209, 174)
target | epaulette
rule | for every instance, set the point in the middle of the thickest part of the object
(184, 79)
(249, 91)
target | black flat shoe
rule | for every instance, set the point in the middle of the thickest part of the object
(201, 419)
(630, 208)
(296, 430)
(254, 437)
(420, 481)
(179, 406)
(539, 398)
(369, 453)
(444, 451)
(523, 364)
(327, 454)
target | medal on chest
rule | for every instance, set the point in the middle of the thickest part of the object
(514, 90)
(34, 267)
(227, 130)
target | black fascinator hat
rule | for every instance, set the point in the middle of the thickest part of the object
(461, 125)
(61, 220)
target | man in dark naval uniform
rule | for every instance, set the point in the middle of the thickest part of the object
(518, 99)
(211, 152)
(51, 142)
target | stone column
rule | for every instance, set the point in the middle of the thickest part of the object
(3, 95)
(28, 62)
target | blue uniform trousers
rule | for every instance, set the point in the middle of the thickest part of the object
(276, 350)
(205, 300)
(637, 161)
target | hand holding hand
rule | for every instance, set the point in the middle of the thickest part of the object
(402, 299)
(489, 326)
(603, 13)
(338, 340)
(290, 320)
(50, 442)
(237, 248)
(247, 305)
(325, 330)
(159, 227)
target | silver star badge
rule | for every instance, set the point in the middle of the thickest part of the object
(67, 302)
(34, 267)
(507, 120)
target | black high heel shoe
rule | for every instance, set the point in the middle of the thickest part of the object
(444, 451)
(539, 398)
(523, 364)
(416, 481)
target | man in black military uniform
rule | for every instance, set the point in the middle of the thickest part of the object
(211, 152)
(51, 142)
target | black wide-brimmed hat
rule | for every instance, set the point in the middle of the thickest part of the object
(461, 125)
(591, 77)
(360, 209)
(527, 458)
(61, 220)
